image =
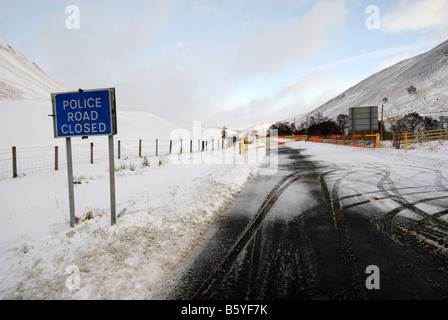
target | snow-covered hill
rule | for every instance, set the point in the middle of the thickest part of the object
(21, 78)
(25, 91)
(163, 206)
(25, 122)
(427, 72)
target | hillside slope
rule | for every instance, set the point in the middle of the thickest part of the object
(427, 72)
(21, 78)
(25, 105)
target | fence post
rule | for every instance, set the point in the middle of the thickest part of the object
(119, 149)
(140, 148)
(71, 195)
(180, 146)
(191, 146)
(157, 147)
(14, 163)
(268, 145)
(406, 141)
(91, 152)
(171, 145)
(56, 156)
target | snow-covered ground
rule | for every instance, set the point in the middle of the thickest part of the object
(164, 208)
(164, 211)
(433, 154)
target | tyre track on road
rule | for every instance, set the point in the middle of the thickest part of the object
(313, 255)
(430, 226)
(285, 259)
(247, 235)
(342, 230)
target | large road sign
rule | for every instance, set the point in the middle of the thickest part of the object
(84, 113)
(363, 118)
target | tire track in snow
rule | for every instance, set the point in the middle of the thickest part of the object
(342, 230)
(247, 235)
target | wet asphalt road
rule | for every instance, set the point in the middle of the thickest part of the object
(311, 230)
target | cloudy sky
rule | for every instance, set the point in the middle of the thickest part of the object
(232, 62)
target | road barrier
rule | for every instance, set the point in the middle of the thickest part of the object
(360, 141)
(269, 141)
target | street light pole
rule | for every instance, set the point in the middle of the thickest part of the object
(381, 129)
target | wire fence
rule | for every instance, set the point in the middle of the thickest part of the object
(22, 161)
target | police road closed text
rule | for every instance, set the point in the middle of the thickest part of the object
(83, 113)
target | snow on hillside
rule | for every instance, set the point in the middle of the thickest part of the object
(165, 204)
(427, 72)
(25, 105)
(26, 123)
(20, 78)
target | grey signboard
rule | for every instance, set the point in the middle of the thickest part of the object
(363, 118)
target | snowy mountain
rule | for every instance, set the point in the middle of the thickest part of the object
(21, 78)
(25, 105)
(427, 73)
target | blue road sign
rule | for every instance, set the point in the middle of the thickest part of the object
(84, 113)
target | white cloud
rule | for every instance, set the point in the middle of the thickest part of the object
(307, 86)
(303, 96)
(293, 41)
(204, 7)
(421, 15)
(390, 62)
(109, 40)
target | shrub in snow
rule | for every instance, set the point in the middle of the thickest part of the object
(411, 90)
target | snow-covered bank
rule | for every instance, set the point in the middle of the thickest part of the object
(433, 154)
(163, 213)
(26, 123)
